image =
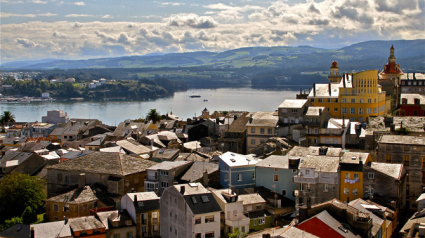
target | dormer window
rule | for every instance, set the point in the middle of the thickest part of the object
(307, 171)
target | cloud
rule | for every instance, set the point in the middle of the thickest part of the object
(11, 2)
(47, 14)
(38, 2)
(58, 34)
(6, 15)
(192, 20)
(77, 25)
(78, 15)
(79, 3)
(107, 17)
(173, 3)
(26, 43)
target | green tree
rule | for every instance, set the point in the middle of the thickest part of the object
(12, 221)
(29, 216)
(38, 92)
(153, 115)
(18, 191)
(237, 234)
(7, 116)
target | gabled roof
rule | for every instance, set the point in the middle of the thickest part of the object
(52, 229)
(16, 231)
(363, 206)
(133, 146)
(113, 216)
(168, 165)
(85, 223)
(83, 195)
(276, 161)
(235, 159)
(354, 157)
(293, 103)
(251, 198)
(196, 171)
(239, 125)
(105, 163)
(314, 111)
(321, 163)
(393, 170)
(264, 119)
(198, 198)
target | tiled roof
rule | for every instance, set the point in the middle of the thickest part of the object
(393, 170)
(167, 165)
(133, 147)
(105, 163)
(402, 139)
(85, 223)
(52, 229)
(239, 125)
(321, 163)
(264, 119)
(354, 157)
(274, 161)
(293, 103)
(196, 171)
(252, 198)
(86, 194)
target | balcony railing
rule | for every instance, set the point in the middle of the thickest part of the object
(152, 178)
(306, 179)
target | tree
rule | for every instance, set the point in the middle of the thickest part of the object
(237, 234)
(153, 115)
(12, 221)
(7, 116)
(29, 216)
(18, 191)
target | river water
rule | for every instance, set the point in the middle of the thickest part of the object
(181, 104)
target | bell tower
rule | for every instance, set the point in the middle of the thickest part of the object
(334, 76)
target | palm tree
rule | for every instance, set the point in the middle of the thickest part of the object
(153, 115)
(7, 116)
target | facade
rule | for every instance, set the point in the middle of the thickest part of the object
(87, 226)
(119, 173)
(234, 217)
(162, 175)
(351, 175)
(236, 170)
(317, 179)
(409, 151)
(254, 207)
(291, 111)
(412, 83)
(55, 117)
(143, 208)
(357, 96)
(189, 210)
(260, 127)
(385, 183)
(412, 105)
(276, 174)
(234, 139)
(117, 224)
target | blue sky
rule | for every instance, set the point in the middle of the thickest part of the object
(65, 29)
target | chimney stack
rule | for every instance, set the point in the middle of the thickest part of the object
(205, 178)
(136, 204)
(182, 189)
(81, 180)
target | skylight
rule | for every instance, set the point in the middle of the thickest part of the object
(194, 200)
(205, 198)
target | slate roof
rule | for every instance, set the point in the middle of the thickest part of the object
(52, 229)
(123, 126)
(195, 156)
(105, 163)
(321, 163)
(133, 146)
(354, 157)
(393, 170)
(16, 231)
(239, 125)
(166, 154)
(112, 216)
(264, 119)
(167, 165)
(293, 103)
(322, 90)
(314, 111)
(146, 201)
(195, 192)
(84, 223)
(275, 161)
(418, 217)
(196, 171)
(299, 151)
(402, 139)
(86, 194)
(376, 220)
(251, 198)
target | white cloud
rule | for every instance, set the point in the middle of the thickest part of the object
(79, 3)
(78, 15)
(173, 3)
(107, 17)
(192, 20)
(6, 15)
(11, 2)
(39, 2)
(47, 14)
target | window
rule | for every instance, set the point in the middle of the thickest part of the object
(344, 100)
(276, 169)
(371, 190)
(252, 141)
(347, 176)
(66, 208)
(197, 220)
(154, 217)
(312, 100)
(294, 111)
(335, 109)
(129, 234)
(164, 184)
(369, 100)
(269, 131)
(198, 235)
(388, 158)
(375, 110)
(361, 110)
(352, 110)
(355, 191)
(283, 192)
(56, 207)
(356, 176)
(371, 176)
(252, 129)
(209, 218)
(320, 100)
(346, 191)
(406, 160)
(116, 235)
(353, 100)
(144, 218)
(253, 176)
(307, 171)
(275, 178)
(261, 221)
(329, 100)
(361, 100)
(262, 130)
(325, 187)
(165, 173)
(369, 111)
(239, 177)
(344, 110)
(316, 131)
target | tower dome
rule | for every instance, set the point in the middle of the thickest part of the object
(334, 64)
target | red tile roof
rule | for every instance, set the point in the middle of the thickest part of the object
(318, 228)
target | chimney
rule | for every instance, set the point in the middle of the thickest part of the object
(320, 111)
(32, 232)
(250, 120)
(235, 117)
(217, 121)
(309, 203)
(182, 189)
(205, 178)
(266, 235)
(136, 204)
(81, 180)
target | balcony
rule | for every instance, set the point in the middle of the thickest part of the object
(328, 180)
(152, 178)
(237, 221)
(306, 179)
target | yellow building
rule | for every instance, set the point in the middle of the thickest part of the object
(260, 127)
(357, 96)
(351, 175)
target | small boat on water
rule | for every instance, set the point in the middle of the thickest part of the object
(195, 96)
(205, 100)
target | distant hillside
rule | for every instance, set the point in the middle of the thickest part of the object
(365, 55)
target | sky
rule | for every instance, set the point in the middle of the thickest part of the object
(82, 29)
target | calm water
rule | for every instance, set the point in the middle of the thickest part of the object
(114, 112)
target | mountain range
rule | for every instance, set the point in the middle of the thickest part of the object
(410, 55)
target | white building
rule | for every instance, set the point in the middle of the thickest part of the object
(45, 95)
(189, 210)
(102, 81)
(92, 85)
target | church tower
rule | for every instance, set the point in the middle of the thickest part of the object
(334, 76)
(389, 79)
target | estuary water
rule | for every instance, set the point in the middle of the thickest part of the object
(180, 104)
